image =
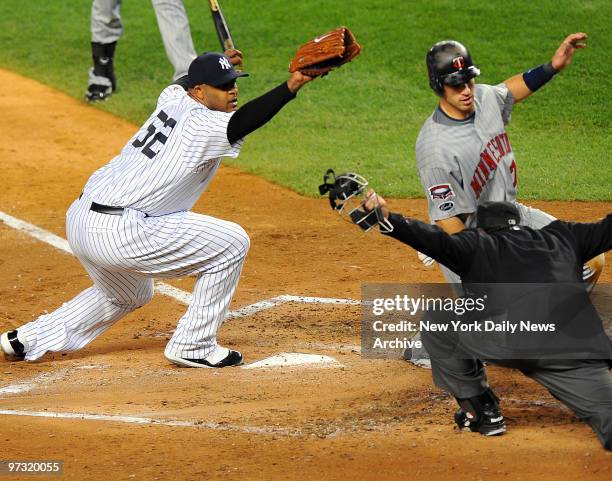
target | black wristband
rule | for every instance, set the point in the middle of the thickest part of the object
(538, 76)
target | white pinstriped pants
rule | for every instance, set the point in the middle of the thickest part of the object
(122, 255)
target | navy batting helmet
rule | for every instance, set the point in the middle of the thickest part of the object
(449, 63)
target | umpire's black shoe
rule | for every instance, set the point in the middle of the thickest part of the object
(13, 346)
(481, 414)
(232, 358)
(491, 424)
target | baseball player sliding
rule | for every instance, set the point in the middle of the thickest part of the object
(133, 222)
(463, 154)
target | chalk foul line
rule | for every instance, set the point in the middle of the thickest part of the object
(34, 382)
(201, 424)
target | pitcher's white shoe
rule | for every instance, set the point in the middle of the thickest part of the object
(221, 357)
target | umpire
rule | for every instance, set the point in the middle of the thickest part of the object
(501, 251)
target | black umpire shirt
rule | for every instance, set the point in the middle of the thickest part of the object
(555, 253)
(521, 256)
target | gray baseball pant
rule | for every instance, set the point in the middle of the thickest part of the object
(585, 386)
(106, 27)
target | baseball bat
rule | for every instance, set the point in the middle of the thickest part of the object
(223, 32)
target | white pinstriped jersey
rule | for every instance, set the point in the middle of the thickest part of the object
(464, 163)
(168, 163)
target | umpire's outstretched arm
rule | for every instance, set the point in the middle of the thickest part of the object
(592, 239)
(455, 251)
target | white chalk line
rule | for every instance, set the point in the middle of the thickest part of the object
(34, 382)
(273, 430)
(166, 289)
(31, 383)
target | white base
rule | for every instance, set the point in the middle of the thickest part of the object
(285, 359)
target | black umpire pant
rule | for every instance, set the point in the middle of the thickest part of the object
(585, 386)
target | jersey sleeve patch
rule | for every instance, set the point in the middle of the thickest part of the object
(446, 206)
(441, 192)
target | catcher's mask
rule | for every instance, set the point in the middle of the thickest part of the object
(347, 195)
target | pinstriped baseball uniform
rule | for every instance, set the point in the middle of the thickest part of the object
(157, 177)
(462, 163)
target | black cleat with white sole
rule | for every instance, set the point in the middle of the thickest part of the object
(481, 414)
(13, 346)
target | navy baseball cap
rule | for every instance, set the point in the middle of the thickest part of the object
(493, 216)
(212, 68)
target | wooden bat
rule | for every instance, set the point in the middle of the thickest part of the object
(223, 32)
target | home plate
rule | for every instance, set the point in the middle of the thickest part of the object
(285, 359)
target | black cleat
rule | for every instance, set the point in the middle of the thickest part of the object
(99, 87)
(97, 92)
(13, 347)
(490, 424)
(481, 414)
(102, 81)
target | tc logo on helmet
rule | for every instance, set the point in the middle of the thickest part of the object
(458, 63)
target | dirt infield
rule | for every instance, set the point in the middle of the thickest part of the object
(359, 419)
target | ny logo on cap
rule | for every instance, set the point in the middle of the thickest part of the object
(458, 63)
(225, 63)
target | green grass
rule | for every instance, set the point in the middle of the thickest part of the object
(364, 117)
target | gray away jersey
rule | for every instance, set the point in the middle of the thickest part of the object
(464, 163)
(168, 163)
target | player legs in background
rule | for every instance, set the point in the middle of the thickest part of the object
(106, 29)
(175, 33)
